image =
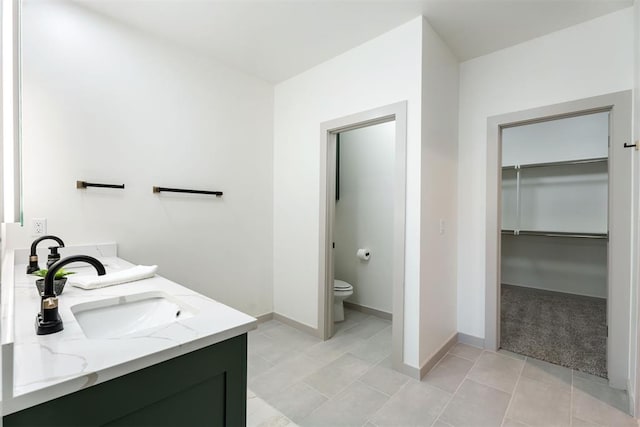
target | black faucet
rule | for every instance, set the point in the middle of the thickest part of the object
(33, 258)
(48, 321)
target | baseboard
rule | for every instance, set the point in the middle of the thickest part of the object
(470, 340)
(632, 400)
(264, 317)
(368, 310)
(409, 371)
(435, 357)
(295, 324)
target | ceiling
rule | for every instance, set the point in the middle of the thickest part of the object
(275, 40)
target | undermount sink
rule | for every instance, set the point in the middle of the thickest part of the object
(119, 316)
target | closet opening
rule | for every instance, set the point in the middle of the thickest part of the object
(554, 241)
(559, 209)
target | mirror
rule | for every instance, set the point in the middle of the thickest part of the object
(11, 114)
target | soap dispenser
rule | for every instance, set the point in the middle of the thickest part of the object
(54, 256)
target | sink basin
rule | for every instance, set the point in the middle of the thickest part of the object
(119, 316)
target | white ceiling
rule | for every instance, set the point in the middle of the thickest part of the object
(275, 40)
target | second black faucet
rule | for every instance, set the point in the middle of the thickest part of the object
(33, 257)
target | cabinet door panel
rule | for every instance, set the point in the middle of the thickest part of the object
(202, 405)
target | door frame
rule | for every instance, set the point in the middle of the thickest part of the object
(328, 130)
(620, 241)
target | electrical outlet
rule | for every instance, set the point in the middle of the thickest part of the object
(441, 226)
(38, 227)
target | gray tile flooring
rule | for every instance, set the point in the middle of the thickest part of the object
(298, 379)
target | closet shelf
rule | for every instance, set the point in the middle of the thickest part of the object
(556, 234)
(560, 163)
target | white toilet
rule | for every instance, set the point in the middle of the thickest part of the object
(341, 291)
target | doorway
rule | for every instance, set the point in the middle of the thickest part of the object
(554, 229)
(330, 132)
(363, 223)
(608, 234)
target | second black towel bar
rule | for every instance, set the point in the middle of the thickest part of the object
(182, 190)
(85, 184)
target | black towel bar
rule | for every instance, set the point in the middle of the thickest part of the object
(85, 184)
(181, 190)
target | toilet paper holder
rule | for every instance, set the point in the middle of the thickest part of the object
(364, 254)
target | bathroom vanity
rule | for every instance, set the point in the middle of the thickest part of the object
(186, 369)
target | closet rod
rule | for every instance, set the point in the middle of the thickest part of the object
(560, 163)
(556, 234)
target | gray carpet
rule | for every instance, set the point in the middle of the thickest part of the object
(564, 329)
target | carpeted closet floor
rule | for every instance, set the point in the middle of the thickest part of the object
(564, 329)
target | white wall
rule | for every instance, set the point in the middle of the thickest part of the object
(364, 214)
(105, 103)
(382, 71)
(575, 266)
(585, 60)
(570, 138)
(439, 183)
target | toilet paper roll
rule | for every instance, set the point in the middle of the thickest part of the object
(363, 254)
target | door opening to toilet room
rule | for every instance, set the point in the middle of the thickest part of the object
(363, 224)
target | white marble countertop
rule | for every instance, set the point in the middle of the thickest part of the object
(50, 366)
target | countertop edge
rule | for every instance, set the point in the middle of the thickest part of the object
(7, 304)
(27, 400)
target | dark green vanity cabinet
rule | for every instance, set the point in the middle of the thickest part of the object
(207, 387)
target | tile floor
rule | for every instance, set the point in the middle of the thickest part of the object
(296, 379)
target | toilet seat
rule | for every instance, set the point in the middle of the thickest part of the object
(341, 286)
